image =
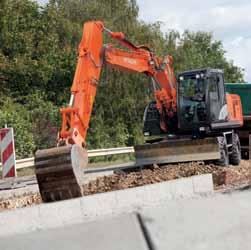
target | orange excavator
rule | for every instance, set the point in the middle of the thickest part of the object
(191, 118)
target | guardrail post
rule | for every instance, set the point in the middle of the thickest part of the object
(7, 148)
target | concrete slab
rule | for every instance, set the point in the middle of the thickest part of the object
(7, 194)
(58, 214)
(99, 205)
(119, 233)
(203, 183)
(219, 222)
(19, 221)
(216, 222)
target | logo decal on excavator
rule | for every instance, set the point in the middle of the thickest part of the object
(130, 60)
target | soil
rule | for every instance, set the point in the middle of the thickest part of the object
(222, 177)
(21, 201)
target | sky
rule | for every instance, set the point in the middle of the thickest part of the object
(229, 20)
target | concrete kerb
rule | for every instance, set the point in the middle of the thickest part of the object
(57, 214)
(12, 193)
(202, 183)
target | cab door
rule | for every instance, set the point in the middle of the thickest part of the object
(217, 98)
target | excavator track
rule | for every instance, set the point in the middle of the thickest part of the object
(60, 172)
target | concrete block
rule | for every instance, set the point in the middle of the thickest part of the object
(215, 222)
(130, 199)
(182, 188)
(158, 192)
(60, 213)
(6, 194)
(98, 204)
(19, 221)
(203, 184)
(118, 233)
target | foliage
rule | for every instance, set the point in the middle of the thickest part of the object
(38, 50)
(44, 119)
(35, 122)
(16, 116)
(199, 50)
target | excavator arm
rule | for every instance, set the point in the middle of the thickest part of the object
(92, 56)
(59, 170)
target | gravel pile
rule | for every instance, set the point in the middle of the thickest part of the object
(21, 201)
(222, 176)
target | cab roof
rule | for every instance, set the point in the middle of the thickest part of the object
(205, 71)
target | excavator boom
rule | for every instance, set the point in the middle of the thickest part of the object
(92, 56)
(60, 170)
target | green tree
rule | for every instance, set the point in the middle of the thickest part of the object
(16, 116)
(200, 50)
(38, 55)
(44, 120)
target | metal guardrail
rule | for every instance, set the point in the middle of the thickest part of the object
(29, 162)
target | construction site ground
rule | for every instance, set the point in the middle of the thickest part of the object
(224, 178)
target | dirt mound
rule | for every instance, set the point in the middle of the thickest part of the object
(221, 176)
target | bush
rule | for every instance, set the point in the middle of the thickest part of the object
(16, 116)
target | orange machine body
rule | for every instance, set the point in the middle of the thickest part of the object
(92, 56)
(234, 107)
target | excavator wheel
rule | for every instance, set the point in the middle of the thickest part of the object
(60, 172)
(224, 158)
(235, 156)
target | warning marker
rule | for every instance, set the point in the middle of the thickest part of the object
(7, 148)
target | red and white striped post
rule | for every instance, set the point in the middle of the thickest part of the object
(8, 156)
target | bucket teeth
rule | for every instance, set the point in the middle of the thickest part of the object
(179, 150)
(60, 172)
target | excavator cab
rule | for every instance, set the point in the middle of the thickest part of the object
(202, 102)
(206, 118)
(202, 106)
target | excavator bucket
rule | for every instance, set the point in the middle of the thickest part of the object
(175, 151)
(60, 172)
